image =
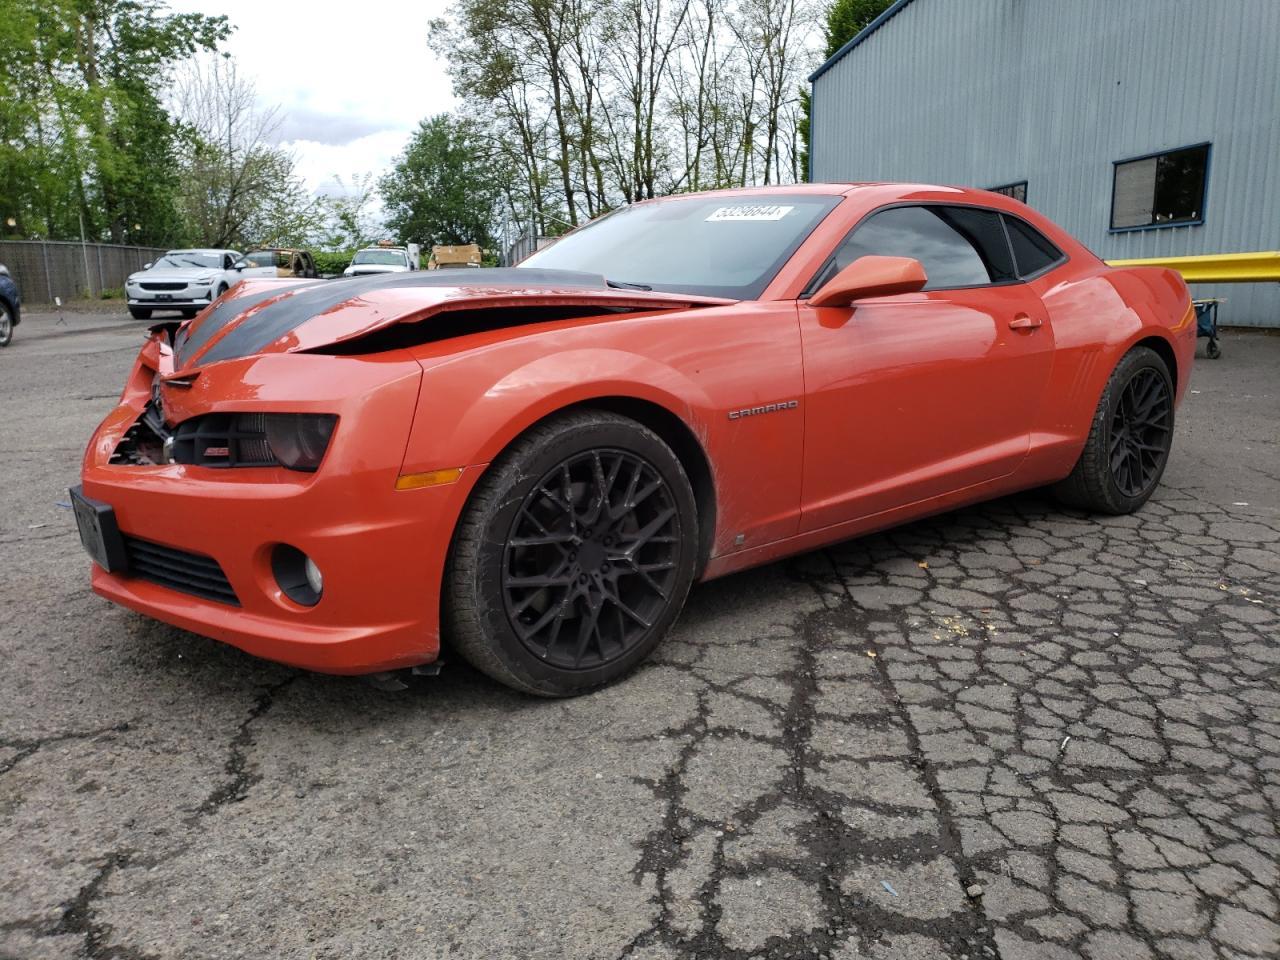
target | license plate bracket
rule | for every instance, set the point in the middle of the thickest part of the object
(99, 532)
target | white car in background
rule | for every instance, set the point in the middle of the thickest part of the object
(383, 259)
(182, 280)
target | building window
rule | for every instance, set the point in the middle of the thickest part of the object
(1160, 190)
(1016, 190)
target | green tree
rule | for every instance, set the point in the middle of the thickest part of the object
(350, 219)
(845, 20)
(85, 140)
(443, 188)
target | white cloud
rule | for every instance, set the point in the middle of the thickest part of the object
(319, 163)
(352, 78)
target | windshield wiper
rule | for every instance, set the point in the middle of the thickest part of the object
(623, 285)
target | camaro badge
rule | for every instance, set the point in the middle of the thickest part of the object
(766, 408)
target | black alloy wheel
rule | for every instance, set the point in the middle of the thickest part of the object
(1129, 438)
(573, 556)
(1141, 430)
(590, 562)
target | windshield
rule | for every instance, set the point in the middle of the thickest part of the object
(717, 246)
(181, 259)
(386, 258)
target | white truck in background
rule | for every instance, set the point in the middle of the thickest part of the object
(384, 257)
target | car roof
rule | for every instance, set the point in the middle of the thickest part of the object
(822, 189)
(877, 191)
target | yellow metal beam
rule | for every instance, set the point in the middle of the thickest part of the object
(1218, 268)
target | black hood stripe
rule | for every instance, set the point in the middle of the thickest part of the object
(190, 343)
(300, 303)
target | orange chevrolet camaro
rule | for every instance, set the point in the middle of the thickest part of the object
(535, 464)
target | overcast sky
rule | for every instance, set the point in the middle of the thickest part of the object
(353, 79)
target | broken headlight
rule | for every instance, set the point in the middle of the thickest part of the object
(294, 440)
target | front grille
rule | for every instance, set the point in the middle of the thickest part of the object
(223, 440)
(179, 570)
(163, 285)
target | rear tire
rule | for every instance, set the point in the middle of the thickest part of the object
(140, 313)
(6, 325)
(1129, 440)
(573, 556)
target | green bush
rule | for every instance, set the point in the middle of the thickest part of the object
(332, 264)
(111, 293)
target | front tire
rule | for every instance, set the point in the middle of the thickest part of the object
(6, 325)
(573, 556)
(140, 313)
(1129, 440)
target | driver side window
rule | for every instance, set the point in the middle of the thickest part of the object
(958, 246)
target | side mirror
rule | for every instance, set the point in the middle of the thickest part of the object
(871, 277)
(147, 266)
(239, 265)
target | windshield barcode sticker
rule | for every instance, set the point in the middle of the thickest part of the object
(756, 211)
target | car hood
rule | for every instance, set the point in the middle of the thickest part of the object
(175, 273)
(378, 268)
(288, 316)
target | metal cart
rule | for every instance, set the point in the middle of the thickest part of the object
(1207, 325)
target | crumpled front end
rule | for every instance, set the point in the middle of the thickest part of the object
(202, 542)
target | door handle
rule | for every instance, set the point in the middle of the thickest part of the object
(1024, 322)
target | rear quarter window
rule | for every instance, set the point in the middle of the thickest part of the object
(1033, 252)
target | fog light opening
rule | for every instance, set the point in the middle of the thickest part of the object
(297, 574)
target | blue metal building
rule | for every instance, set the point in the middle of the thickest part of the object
(1147, 128)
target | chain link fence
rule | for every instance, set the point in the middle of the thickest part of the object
(45, 269)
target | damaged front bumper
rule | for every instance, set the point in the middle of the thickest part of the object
(197, 544)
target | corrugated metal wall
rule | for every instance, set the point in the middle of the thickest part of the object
(987, 92)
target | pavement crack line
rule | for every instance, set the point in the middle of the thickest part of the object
(850, 613)
(79, 915)
(691, 914)
(238, 768)
(24, 748)
(79, 919)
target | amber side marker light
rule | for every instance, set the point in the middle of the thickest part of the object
(432, 478)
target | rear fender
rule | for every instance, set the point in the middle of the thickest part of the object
(1097, 318)
(1161, 306)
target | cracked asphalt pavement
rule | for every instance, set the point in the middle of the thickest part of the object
(1010, 731)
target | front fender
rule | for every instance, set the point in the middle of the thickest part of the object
(470, 416)
(480, 393)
